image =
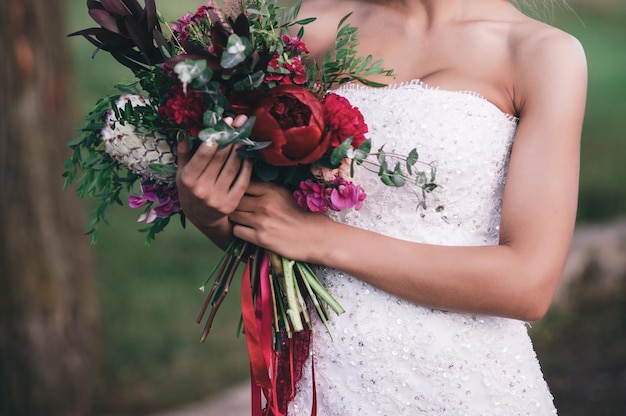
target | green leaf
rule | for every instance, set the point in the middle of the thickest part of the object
(212, 117)
(77, 141)
(236, 52)
(265, 172)
(304, 21)
(165, 169)
(202, 79)
(221, 133)
(250, 82)
(398, 176)
(363, 151)
(411, 160)
(340, 152)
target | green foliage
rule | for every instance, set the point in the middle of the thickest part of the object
(342, 64)
(97, 175)
(94, 171)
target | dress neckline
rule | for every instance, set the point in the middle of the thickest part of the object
(416, 82)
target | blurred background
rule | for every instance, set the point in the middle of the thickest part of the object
(139, 303)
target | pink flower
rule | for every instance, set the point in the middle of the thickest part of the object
(184, 26)
(311, 196)
(345, 195)
(295, 44)
(339, 195)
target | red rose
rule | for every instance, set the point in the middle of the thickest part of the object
(292, 119)
(343, 121)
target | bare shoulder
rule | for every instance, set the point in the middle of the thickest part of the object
(320, 34)
(545, 59)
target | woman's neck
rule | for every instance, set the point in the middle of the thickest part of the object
(434, 11)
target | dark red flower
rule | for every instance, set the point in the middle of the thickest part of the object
(343, 120)
(185, 109)
(295, 44)
(283, 71)
(292, 119)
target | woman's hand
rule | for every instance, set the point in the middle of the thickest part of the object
(269, 217)
(211, 183)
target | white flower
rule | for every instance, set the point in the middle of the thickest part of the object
(130, 147)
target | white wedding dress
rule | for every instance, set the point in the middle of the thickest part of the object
(389, 356)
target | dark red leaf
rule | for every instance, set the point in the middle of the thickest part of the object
(92, 31)
(151, 15)
(160, 39)
(143, 40)
(92, 4)
(104, 19)
(134, 7)
(116, 6)
(219, 37)
(241, 26)
(129, 63)
(113, 41)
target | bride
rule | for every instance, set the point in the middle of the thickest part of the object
(436, 300)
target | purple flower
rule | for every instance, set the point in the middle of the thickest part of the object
(165, 196)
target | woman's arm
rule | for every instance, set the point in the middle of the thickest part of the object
(516, 278)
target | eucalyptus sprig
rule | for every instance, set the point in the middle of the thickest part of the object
(395, 170)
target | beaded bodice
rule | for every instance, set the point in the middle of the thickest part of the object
(463, 136)
(392, 357)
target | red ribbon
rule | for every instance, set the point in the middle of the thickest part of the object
(264, 359)
(257, 320)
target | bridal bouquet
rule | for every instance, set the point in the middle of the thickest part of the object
(242, 58)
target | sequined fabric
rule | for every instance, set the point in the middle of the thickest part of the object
(389, 356)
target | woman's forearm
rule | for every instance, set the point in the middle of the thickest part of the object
(495, 280)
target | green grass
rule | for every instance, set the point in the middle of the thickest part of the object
(149, 303)
(148, 295)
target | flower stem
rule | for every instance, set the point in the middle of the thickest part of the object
(318, 288)
(293, 308)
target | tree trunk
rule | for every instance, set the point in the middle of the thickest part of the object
(47, 300)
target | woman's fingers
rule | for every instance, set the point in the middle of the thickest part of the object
(240, 120)
(191, 167)
(183, 152)
(242, 181)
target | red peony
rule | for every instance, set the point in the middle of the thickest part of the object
(292, 119)
(342, 121)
